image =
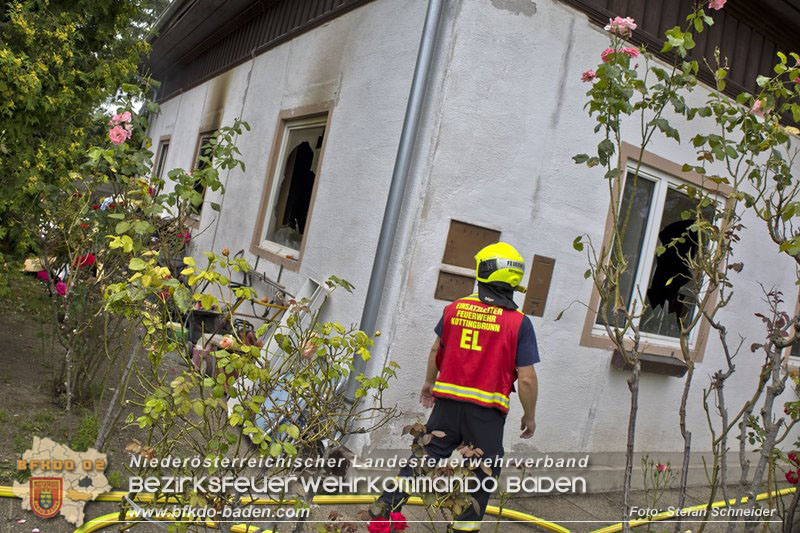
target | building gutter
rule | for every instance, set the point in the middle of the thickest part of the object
(394, 201)
(173, 6)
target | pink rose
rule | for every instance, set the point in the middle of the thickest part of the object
(120, 118)
(379, 524)
(61, 288)
(42, 275)
(118, 135)
(606, 54)
(631, 51)
(226, 343)
(758, 108)
(398, 521)
(661, 468)
(797, 79)
(716, 4)
(621, 26)
(589, 75)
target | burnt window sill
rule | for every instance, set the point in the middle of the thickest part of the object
(655, 364)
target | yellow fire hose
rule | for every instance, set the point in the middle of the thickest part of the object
(101, 522)
(96, 524)
(686, 510)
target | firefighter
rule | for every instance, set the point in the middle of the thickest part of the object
(484, 344)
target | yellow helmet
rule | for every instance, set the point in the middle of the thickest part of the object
(500, 262)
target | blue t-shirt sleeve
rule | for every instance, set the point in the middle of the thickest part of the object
(527, 351)
(439, 327)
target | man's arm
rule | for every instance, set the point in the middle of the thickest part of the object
(426, 395)
(528, 386)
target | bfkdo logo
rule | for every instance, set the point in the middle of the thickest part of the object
(46, 495)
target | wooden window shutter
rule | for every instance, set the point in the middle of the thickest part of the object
(538, 285)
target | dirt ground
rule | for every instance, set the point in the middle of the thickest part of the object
(29, 408)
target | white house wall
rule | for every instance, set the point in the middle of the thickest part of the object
(503, 118)
(362, 61)
(511, 119)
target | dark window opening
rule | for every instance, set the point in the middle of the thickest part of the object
(298, 172)
(667, 288)
(161, 162)
(203, 161)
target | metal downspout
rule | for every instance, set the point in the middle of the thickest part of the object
(394, 201)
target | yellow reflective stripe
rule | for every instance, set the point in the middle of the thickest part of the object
(469, 392)
(466, 526)
(493, 395)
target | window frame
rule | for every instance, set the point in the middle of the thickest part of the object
(259, 245)
(666, 173)
(792, 362)
(194, 219)
(163, 142)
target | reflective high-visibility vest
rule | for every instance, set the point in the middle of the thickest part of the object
(477, 357)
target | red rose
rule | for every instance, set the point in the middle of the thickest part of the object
(85, 260)
(112, 205)
(793, 458)
(398, 521)
(786, 410)
(95, 206)
(84, 225)
(379, 524)
(791, 477)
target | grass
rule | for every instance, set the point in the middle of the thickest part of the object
(21, 443)
(117, 480)
(86, 435)
(38, 423)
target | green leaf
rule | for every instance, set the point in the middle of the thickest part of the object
(137, 263)
(290, 449)
(122, 227)
(275, 449)
(605, 150)
(577, 244)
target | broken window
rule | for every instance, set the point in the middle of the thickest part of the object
(659, 217)
(294, 181)
(202, 161)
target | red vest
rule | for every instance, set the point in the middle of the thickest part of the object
(477, 358)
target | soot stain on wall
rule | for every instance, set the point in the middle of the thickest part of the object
(518, 7)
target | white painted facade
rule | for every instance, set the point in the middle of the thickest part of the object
(503, 118)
